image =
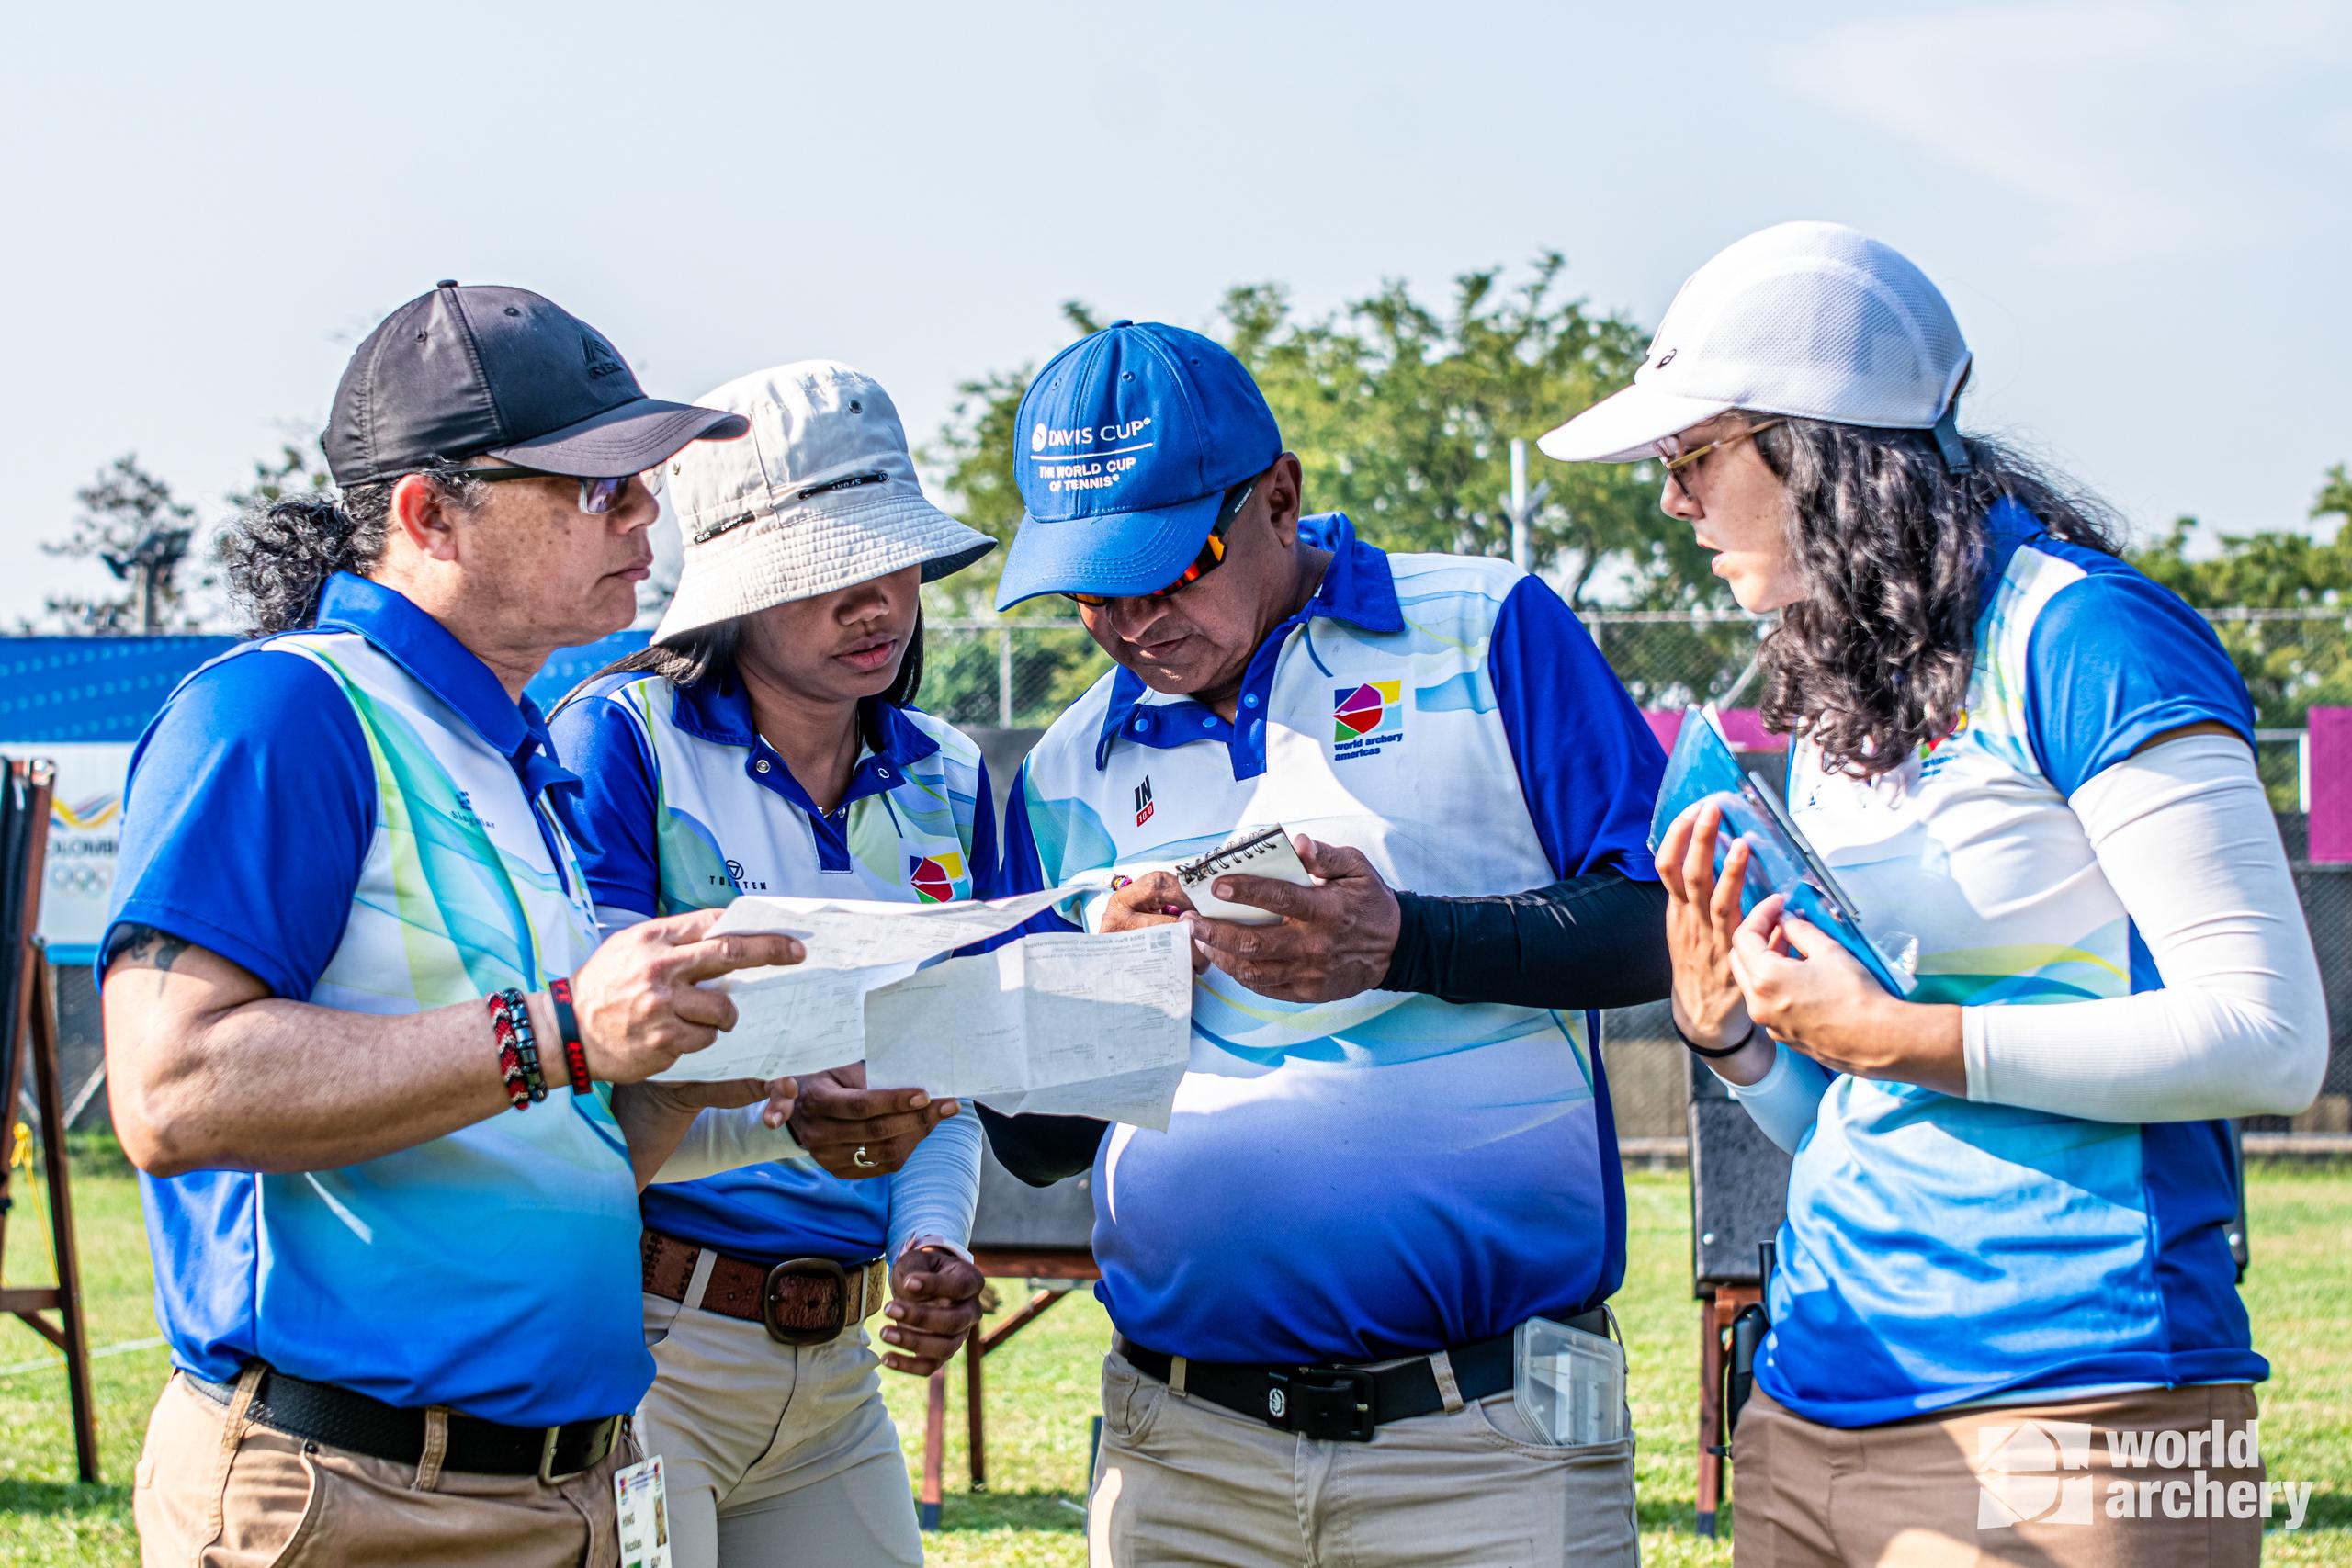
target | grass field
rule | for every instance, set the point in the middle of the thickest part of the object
(1042, 1387)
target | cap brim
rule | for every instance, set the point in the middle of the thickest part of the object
(786, 556)
(624, 440)
(1621, 428)
(1116, 556)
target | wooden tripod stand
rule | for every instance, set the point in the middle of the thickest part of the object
(30, 1030)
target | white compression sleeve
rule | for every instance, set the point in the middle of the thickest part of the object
(1785, 1099)
(727, 1140)
(2186, 838)
(935, 1192)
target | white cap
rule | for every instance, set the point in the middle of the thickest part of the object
(1813, 320)
(821, 495)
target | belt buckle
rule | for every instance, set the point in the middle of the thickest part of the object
(805, 1268)
(600, 1450)
(1334, 1404)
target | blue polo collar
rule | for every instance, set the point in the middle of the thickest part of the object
(1358, 588)
(720, 711)
(2008, 524)
(431, 653)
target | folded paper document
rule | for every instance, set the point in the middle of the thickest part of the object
(1085, 1025)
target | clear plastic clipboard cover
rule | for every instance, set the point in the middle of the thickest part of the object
(1569, 1385)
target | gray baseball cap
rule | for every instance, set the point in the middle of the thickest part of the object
(486, 370)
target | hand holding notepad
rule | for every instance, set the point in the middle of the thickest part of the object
(1255, 852)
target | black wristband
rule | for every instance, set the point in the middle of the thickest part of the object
(1711, 1053)
(567, 1028)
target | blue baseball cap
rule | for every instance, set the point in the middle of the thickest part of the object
(1128, 439)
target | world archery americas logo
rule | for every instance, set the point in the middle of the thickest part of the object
(933, 877)
(1365, 718)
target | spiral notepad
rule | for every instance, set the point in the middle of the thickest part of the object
(1258, 852)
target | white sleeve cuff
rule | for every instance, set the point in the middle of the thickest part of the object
(1784, 1103)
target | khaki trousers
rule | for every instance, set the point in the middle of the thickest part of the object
(1915, 1493)
(773, 1454)
(1181, 1481)
(215, 1490)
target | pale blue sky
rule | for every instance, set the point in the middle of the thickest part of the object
(2138, 210)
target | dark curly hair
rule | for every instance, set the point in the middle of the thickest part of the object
(1875, 658)
(277, 557)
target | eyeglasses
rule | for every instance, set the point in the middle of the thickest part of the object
(1679, 463)
(596, 496)
(1211, 553)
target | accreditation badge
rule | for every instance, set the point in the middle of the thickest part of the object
(642, 1508)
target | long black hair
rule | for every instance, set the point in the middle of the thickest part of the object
(1875, 658)
(277, 556)
(710, 652)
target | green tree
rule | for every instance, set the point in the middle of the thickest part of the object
(292, 470)
(1402, 414)
(2292, 661)
(131, 524)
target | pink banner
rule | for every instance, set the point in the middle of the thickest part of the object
(2330, 764)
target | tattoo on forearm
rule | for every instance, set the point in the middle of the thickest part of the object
(144, 947)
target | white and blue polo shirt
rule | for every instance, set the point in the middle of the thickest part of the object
(1937, 1250)
(359, 816)
(682, 806)
(1388, 1174)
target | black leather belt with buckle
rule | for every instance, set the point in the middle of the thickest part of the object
(359, 1423)
(1342, 1404)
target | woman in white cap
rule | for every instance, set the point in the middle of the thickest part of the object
(2032, 768)
(763, 743)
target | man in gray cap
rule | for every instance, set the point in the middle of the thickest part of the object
(361, 1041)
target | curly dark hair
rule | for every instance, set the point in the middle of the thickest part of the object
(1875, 659)
(277, 557)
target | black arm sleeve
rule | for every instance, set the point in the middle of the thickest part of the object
(1042, 1150)
(1590, 942)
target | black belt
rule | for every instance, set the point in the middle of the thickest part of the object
(1344, 1404)
(341, 1419)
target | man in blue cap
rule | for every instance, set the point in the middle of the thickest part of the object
(1393, 1147)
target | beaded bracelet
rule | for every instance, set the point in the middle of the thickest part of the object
(567, 1024)
(518, 1048)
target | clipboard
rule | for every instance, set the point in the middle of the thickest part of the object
(1703, 767)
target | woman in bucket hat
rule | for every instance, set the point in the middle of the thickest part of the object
(763, 743)
(2031, 767)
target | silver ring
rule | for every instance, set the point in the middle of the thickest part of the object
(860, 1160)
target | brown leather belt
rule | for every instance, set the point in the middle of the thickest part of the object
(801, 1301)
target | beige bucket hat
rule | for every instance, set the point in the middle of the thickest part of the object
(821, 495)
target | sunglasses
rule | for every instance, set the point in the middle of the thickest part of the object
(1679, 463)
(596, 496)
(1211, 553)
